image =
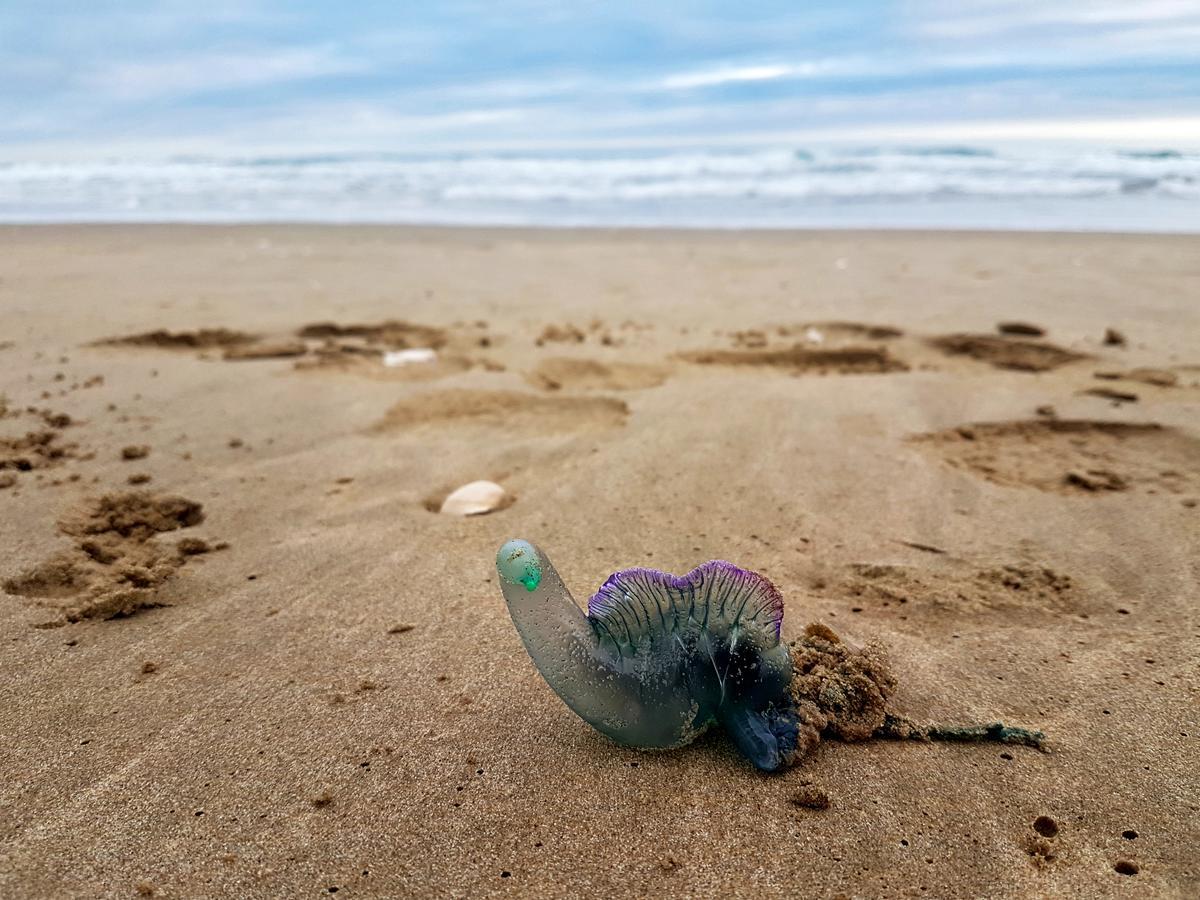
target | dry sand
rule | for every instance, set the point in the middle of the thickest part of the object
(337, 701)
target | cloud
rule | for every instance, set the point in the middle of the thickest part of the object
(200, 73)
(964, 19)
(728, 75)
(233, 75)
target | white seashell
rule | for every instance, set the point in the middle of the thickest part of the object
(814, 336)
(394, 358)
(474, 499)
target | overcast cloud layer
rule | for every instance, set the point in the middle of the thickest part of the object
(82, 77)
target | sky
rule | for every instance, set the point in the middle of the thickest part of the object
(83, 78)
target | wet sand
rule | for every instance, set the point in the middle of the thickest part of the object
(244, 658)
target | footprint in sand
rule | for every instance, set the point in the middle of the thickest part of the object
(373, 350)
(358, 349)
(558, 373)
(1006, 353)
(955, 588)
(816, 334)
(824, 347)
(114, 566)
(1074, 457)
(510, 410)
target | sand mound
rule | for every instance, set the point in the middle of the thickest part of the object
(367, 361)
(560, 334)
(204, 339)
(1006, 353)
(1025, 329)
(1107, 393)
(113, 568)
(505, 409)
(844, 331)
(589, 374)
(800, 359)
(1156, 377)
(135, 514)
(393, 334)
(1071, 456)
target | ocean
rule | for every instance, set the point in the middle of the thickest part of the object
(1096, 189)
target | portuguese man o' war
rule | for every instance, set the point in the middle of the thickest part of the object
(659, 658)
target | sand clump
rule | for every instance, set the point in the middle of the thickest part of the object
(114, 566)
(1155, 377)
(837, 331)
(1024, 329)
(839, 692)
(800, 359)
(41, 449)
(265, 350)
(810, 796)
(203, 339)
(1107, 393)
(560, 334)
(1006, 353)
(842, 693)
(393, 334)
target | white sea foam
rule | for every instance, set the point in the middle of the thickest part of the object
(943, 187)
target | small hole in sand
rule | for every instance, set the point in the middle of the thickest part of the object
(506, 874)
(1125, 867)
(1129, 834)
(1045, 826)
(903, 843)
(1006, 756)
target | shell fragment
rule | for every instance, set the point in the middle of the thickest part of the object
(474, 499)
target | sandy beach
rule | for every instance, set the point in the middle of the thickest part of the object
(245, 656)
